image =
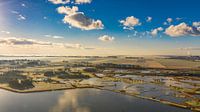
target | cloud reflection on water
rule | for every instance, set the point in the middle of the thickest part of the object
(69, 102)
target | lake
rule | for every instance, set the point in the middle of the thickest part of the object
(79, 100)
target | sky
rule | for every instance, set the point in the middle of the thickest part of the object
(99, 27)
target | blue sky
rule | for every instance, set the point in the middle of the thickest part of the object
(103, 26)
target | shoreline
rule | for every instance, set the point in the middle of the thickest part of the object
(40, 91)
(119, 92)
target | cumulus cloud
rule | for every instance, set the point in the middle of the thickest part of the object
(67, 10)
(149, 19)
(13, 41)
(106, 38)
(59, 1)
(79, 19)
(182, 30)
(130, 22)
(154, 32)
(82, 1)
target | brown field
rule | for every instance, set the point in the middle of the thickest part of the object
(179, 64)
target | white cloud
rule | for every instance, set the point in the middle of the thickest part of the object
(21, 41)
(106, 38)
(21, 17)
(59, 1)
(178, 18)
(67, 10)
(23, 5)
(13, 41)
(154, 32)
(130, 22)
(182, 30)
(14, 12)
(169, 20)
(45, 17)
(54, 36)
(5, 32)
(149, 19)
(48, 35)
(82, 1)
(57, 37)
(78, 19)
(165, 23)
(196, 25)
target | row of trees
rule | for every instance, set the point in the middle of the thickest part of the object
(16, 80)
(65, 75)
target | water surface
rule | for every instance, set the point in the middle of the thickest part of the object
(79, 100)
